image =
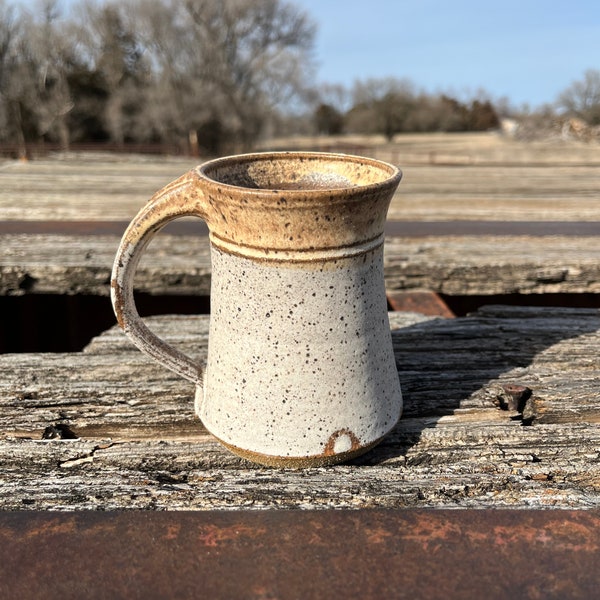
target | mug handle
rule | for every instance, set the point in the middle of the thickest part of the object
(181, 198)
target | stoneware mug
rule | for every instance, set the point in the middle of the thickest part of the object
(300, 369)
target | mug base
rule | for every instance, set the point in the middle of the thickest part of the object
(299, 462)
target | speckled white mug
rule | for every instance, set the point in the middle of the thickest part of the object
(300, 369)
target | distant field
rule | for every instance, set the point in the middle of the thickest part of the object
(446, 177)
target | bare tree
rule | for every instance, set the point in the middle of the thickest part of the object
(582, 98)
(51, 52)
(110, 47)
(179, 99)
(199, 70)
(255, 55)
(9, 31)
(15, 82)
(221, 69)
(34, 93)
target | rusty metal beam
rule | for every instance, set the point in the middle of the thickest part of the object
(298, 554)
(424, 302)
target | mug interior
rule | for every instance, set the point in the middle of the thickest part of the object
(297, 171)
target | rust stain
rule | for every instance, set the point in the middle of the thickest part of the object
(51, 527)
(514, 397)
(336, 437)
(173, 531)
(214, 536)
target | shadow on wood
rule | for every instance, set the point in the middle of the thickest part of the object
(474, 363)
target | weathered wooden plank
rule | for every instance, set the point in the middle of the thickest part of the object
(472, 466)
(140, 446)
(497, 192)
(475, 177)
(48, 264)
(86, 186)
(494, 264)
(463, 265)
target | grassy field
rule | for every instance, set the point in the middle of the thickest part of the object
(446, 177)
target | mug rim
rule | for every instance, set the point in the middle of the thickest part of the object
(393, 174)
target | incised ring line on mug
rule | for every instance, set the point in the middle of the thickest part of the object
(300, 368)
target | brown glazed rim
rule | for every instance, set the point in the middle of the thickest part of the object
(394, 174)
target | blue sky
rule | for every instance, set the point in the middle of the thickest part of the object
(526, 50)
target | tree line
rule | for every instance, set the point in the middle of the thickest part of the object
(202, 75)
(150, 70)
(390, 106)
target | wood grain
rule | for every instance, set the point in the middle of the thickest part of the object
(446, 177)
(459, 265)
(139, 445)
